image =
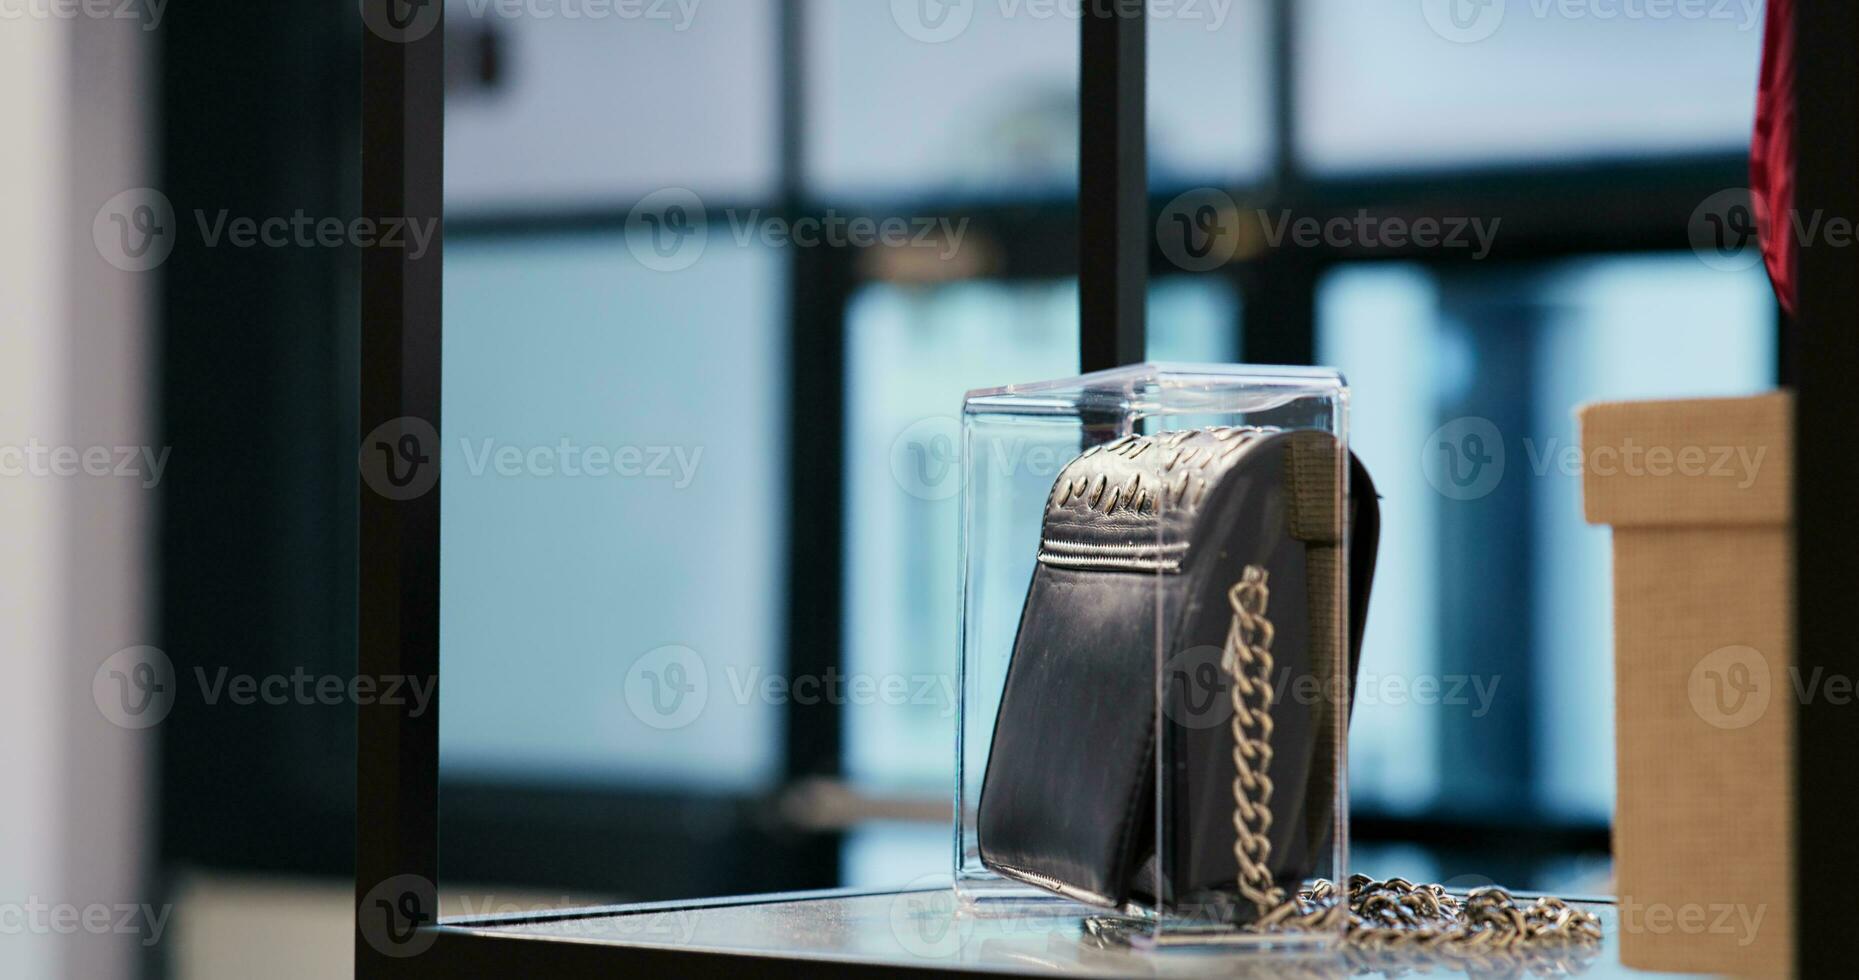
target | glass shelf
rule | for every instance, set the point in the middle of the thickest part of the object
(829, 933)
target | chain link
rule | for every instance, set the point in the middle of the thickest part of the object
(1247, 659)
(1488, 930)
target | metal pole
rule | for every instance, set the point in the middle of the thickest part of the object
(1826, 472)
(397, 750)
(1113, 178)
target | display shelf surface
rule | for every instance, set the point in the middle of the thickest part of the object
(927, 930)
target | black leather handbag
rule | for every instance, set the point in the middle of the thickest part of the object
(1228, 542)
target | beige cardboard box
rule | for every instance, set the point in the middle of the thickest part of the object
(1699, 494)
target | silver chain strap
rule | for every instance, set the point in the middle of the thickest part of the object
(1486, 930)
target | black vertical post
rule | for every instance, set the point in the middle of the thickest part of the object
(397, 767)
(1826, 346)
(1279, 318)
(1286, 173)
(821, 281)
(1113, 184)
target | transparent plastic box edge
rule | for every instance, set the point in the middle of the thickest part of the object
(1016, 441)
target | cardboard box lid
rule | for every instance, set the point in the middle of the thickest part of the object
(1686, 463)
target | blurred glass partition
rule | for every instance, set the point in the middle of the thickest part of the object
(1456, 83)
(924, 98)
(613, 528)
(548, 110)
(1486, 683)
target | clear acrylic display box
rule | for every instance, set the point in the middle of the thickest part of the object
(1155, 563)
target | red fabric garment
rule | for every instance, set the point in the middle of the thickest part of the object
(1772, 152)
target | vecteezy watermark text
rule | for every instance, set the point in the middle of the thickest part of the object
(678, 13)
(1367, 231)
(677, 464)
(300, 687)
(1739, 463)
(392, 917)
(149, 12)
(399, 460)
(407, 21)
(1203, 229)
(1195, 689)
(138, 229)
(1728, 228)
(833, 229)
(935, 690)
(301, 230)
(36, 459)
(668, 687)
(34, 917)
(1738, 919)
(1743, 14)
(669, 230)
(937, 21)
(926, 458)
(671, 927)
(1732, 686)
(1466, 459)
(1470, 21)
(137, 688)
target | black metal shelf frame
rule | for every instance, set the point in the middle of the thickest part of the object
(1826, 361)
(397, 748)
